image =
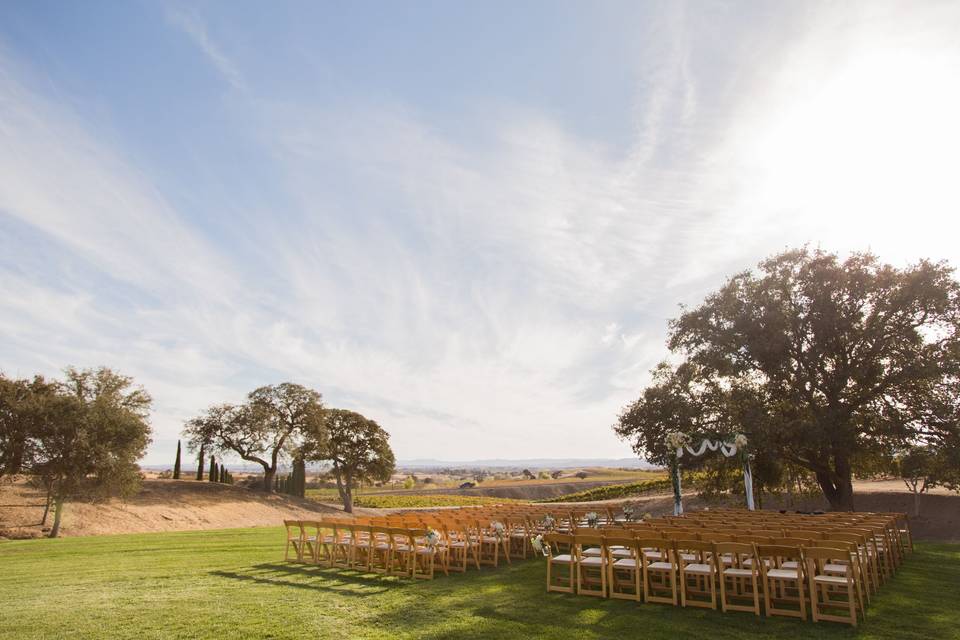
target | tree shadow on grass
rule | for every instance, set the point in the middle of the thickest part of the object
(324, 579)
(917, 604)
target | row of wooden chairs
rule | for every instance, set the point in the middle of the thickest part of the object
(737, 576)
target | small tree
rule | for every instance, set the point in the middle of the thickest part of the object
(213, 477)
(261, 430)
(581, 474)
(176, 464)
(358, 448)
(94, 430)
(556, 474)
(923, 467)
(528, 475)
(200, 462)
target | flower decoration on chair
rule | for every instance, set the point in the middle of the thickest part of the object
(498, 529)
(592, 519)
(628, 512)
(740, 441)
(549, 523)
(433, 538)
(646, 516)
(539, 545)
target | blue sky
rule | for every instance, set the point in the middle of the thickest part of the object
(469, 221)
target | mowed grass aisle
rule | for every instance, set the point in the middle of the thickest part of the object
(233, 584)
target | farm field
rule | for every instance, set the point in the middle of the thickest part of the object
(234, 584)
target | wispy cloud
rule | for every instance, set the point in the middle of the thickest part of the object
(190, 23)
(499, 287)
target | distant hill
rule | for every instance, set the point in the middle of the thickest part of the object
(531, 463)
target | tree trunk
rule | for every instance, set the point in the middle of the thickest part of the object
(916, 504)
(268, 475)
(46, 510)
(57, 514)
(837, 490)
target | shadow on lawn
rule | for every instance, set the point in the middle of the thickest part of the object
(348, 583)
(918, 603)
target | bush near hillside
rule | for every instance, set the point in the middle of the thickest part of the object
(614, 491)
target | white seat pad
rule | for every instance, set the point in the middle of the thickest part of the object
(698, 568)
(629, 563)
(782, 573)
(660, 566)
(830, 579)
(593, 551)
(622, 553)
(565, 558)
(592, 561)
(737, 572)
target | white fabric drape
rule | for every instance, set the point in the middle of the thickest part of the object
(728, 449)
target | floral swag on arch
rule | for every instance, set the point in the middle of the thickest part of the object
(679, 443)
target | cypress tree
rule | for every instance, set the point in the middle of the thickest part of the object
(223, 474)
(200, 464)
(300, 478)
(213, 469)
(176, 465)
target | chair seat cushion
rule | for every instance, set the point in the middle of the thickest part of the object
(790, 564)
(564, 558)
(746, 573)
(822, 579)
(622, 553)
(591, 552)
(660, 566)
(628, 563)
(698, 568)
(592, 561)
(789, 574)
(835, 568)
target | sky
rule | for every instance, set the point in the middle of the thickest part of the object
(470, 222)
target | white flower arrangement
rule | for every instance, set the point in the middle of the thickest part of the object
(592, 518)
(628, 511)
(676, 439)
(549, 522)
(433, 538)
(498, 529)
(646, 516)
(539, 545)
(740, 441)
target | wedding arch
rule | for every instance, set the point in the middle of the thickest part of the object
(680, 442)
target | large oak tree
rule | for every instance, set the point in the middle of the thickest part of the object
(263, 429)
(357, 448)
(844, 360)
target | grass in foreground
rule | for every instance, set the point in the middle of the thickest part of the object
(233, 584)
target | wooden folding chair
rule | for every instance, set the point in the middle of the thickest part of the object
(591, 569)
(782, 585)
(380, 550)
(826, 585)
(464, 545)
(294, 540)
(561, 583)
(623, 567)
(658, 570)
(697, 572)
(739, 578)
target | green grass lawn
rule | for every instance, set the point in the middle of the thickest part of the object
(233, 584)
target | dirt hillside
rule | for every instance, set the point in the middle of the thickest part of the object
(162, 505)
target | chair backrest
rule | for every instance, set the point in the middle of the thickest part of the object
(738, 550)
(778, 552)
(625, 541)
(581, 540)
(293, 528)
